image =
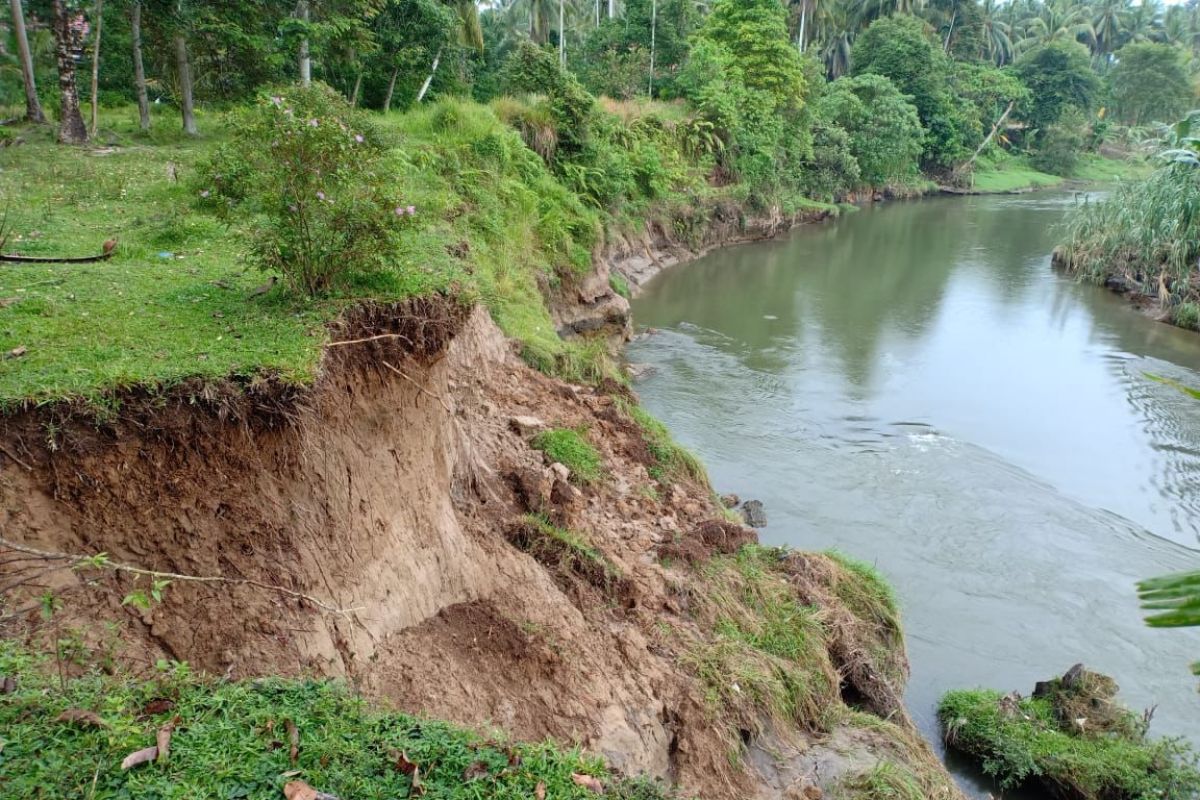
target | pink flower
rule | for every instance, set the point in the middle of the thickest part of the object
(320, 195)
(411, 210)
(204, 193)
(399, 211)
(312, 123)
(358, 137)
(278, 101)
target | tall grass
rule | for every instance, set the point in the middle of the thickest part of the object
(1147, 233)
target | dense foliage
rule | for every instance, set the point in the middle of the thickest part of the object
(883, 127)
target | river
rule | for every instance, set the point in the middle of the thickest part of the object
(914, 385)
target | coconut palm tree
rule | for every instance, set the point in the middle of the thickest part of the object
(1109, 21)
(996, 35)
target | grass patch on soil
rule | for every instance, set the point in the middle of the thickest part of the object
(886, 781)
(869, 595)
(1095, 168)
(231, 740)
(569, 448)
(672, 461)
(1023, 740)
(564, 549)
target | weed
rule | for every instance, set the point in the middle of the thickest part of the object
(565, 551)
(672, 462)
(886, 781)
(569, 448)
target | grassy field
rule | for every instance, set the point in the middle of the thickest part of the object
(1014, 174)
(174, 301)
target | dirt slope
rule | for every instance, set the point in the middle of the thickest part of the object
(400, 487)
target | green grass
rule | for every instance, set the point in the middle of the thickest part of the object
(1095, 168)
(173, 302)
(1027, 743)
(569, 448)
(673, 462)
(231, 741)
(885, 781)
(561, 548)
(869, 596)
(1009, 174)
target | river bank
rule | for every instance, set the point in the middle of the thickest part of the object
(902, 370)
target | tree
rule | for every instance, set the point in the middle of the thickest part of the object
(33, 107)
(1150, 82)
(755, 34)
(1059, 77)
(139, 70)
(884, 128)
(70, 26)
(183, 70)
(96, 67)
(898, 48)
(412, 34)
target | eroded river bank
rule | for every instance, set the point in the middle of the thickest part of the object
(915, 386)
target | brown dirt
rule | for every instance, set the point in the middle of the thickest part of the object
(397, 491)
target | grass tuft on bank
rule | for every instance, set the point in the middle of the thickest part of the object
(1019, 741)
(232, 740)
(571, 448)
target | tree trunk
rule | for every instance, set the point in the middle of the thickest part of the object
(961, 168)
(96, 67)
(800, 38)
(387, 100)
(612, 8)
(33, 107)
(185, 85)
(139, 71)
(305, 59)
(71, 129)
(653, 37)
(357, 89)
(437, 59)
(950, 33)
(562, 33)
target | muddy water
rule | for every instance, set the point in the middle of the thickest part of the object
(915, 386)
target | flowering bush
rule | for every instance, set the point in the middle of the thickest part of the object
(311, 170)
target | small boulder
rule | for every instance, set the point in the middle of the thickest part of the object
(526, 426)
(730, 500)
(560, 471)
(754, 514)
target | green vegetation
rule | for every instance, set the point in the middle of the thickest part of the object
(232, 740)
(1173, 599)
(1022, 740)
(869, 595)
(565, 551)
(569, 448)
(672, 461)
(1010, 175)
(886, 781)
(1144, 238)
(1150, 82)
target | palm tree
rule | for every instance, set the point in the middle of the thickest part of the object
(997, 44)
(1056, 20)
(1109, 20)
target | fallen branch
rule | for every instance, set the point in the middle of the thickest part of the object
(74, 561)
(109, 247)
(983, 145)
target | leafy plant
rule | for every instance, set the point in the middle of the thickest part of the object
(1175, 601)
(313, 169)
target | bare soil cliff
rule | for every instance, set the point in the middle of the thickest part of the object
(475, 581)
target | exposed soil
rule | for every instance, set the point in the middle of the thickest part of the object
(399, 488)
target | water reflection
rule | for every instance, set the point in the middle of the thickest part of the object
(913, 384)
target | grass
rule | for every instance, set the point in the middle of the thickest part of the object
(1019, 741)
(569, 448)
(870, 596)
(886, 781)
(565, 550)
(231, 741)
(1095, 168)
(1147, 234)
(768, 653)
(1009, 174)
(673, 462)
(173, 302)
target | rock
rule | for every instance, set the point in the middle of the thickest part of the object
(754, 514)
(560, 471)
(1118, 284)
(730, 500)
(533, 488)
(526, 426)
(638, 372)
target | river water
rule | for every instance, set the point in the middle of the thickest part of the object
(914, 385)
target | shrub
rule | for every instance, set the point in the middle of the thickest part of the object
(1059, 76)
(884, 129)
(832, 169)
(311, 169)
(1060, 145)
(569, 448)
(1150, 82)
